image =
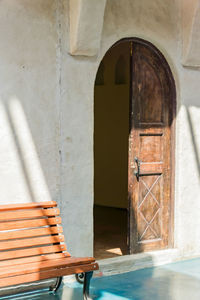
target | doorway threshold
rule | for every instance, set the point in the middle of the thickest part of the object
(127, 263)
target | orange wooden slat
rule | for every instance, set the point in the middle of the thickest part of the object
(31, 259)
(27, 252)
(29, 223)
(32, 251)
(31, 213)
(26, 233)
(43, 266)
(45, 204)
(31, 242)
(14, 280)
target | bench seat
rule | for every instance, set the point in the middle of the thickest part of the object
(32, 246)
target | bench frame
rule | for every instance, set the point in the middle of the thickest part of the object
(32, 247)
(86, 284)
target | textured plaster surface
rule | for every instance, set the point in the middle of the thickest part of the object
(84, 38)
(190, 32)
(160, 23)
(28, 102)
(46, 111)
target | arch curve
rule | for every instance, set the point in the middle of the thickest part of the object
(170, 91)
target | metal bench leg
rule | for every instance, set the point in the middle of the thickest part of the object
(86, 285)
(57, 285)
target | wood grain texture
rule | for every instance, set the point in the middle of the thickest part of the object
(31, 242)
(31, 277)
(43, 266)
(31, 259)
(32, 252)
(29, 223)
(28, 214)
(32, 245)
(27, 233)
(45, 204)
(150, 140)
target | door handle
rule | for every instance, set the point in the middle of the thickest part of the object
(137, 173)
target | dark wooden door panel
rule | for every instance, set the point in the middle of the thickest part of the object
(149, 151)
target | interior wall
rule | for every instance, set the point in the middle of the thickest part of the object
(111, 128)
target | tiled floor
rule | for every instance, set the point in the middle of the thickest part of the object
(178, 281)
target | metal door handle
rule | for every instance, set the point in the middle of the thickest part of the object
(137, 173)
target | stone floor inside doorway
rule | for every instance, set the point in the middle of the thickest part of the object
(176, 281)
(110, 232)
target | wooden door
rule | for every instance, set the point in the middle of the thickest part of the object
(150, 150)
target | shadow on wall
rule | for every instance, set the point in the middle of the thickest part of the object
(27, 159)
(26, 155)
(23, 166)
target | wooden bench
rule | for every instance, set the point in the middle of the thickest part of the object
(32, 246)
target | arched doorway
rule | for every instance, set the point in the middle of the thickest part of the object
(134, 112)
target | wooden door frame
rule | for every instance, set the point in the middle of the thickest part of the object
(172, 110)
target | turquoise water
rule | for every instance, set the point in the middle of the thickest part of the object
(177, 281)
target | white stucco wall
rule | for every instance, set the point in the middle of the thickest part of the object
(46, 111)
(29, 123)
(158, 22)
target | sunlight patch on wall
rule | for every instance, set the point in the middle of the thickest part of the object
(27, 153)
(12, 187)
(194, 117)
